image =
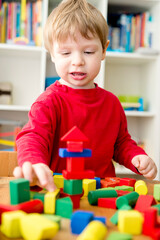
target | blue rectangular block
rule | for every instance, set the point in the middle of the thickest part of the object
(64, 153)
(101, 219)
(98, 182)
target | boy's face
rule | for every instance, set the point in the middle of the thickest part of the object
(78, 62)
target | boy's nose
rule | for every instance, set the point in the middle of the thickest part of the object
(78, 59)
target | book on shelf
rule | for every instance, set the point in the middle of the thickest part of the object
(128, 32)
(21, 22)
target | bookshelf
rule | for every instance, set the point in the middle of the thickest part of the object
(124, 73)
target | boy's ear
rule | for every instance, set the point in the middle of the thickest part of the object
(104, 51)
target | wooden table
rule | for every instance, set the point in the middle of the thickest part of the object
(65, 232)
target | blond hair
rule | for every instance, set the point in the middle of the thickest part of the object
(73, 15)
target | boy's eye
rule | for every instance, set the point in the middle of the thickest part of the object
(65, 53)
(89, 52)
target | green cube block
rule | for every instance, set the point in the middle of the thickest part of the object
(39, 196)
(19, 191)
(119, 236)
(64, 207)
(73, 186)
(156, 192)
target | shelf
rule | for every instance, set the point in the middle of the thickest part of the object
(136, 3)
(129, 58)
(139, 114)
(14, 108)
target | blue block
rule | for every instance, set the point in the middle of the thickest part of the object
(79, 220)
(57, 173)
(64, 153)
(101, 219)
(98, 182)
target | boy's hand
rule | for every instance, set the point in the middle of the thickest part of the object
(37, 174)
(145, 166)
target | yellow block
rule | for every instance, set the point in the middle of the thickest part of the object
(130, 222)
(141, 187)
(58, 181)
(7, 142)
(95, 230)
(50, 201)
(36, 227)
(11, 223)
(88, 185)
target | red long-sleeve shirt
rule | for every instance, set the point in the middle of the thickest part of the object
(96, 112)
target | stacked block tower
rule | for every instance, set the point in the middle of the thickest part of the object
(75, 155)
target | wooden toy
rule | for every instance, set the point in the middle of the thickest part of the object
(122, 193)
(58, 181)
(110, 182)
(141, 187)
(114, 218)
(130, 222)
(75, 164)
(94, 195)
(85, 153)
(101, 219)
(119, 236)
(36, 227)
(88, 185)
(73, 186)
(98, 182)
(28, 207)
(19, 191)
(107, 202)
(37, 195)
(74, 134)
(75, 198)
(73, 146)
(157, 206)
(144, 202)
(10, 226)
(156, 192)
(127, 182)
(53, 218)
(50, 201)
(124, 188)
(128, 199)
(79, 220)
(64, 207)
(95, 230)
(78, 175)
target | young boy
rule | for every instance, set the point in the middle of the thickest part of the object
(76, 37)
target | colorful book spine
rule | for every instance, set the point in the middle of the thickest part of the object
(23, 17)
(38, 24)
(18, 19)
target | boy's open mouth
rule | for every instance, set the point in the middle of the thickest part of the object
(78, 75)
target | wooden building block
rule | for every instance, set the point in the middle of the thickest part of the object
(107, 202)
(53, 218)
(141, 187)
(79, 220)
(74, 146)
(58, 180)
(144, 202)
(85, 153)
(10, 226)
(95, 230)
(130, 222)
(125, 188)
(78, 175)
(88, 185)
(64, 207)
(36, 227)
(157, 206)
(50, 201)
(74, 134)
(122, 193)
(156, 192)
(105, 184)
(94, 195)
(75, 164)
(119, 236)
(127, 182)
(150, 220)
(98, 182)
(128, 199)
(19, 191)
(101, 219)
(37, 195)
(75, 198)
(73, 186)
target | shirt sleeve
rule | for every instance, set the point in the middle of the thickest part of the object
(125, 148)
(35, 141)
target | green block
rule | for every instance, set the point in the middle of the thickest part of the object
(108, 188)
(128, 199)
(119, 236)
(73, 186)
(64, 207)
(39, 196)
(158, 208)
(53, 218)
(19, 191)
(156, 192)
(124, 188)
(94, 195)
(114, 218)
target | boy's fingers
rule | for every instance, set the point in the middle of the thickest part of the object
(17, 172)
(28, 171)
(136, 162)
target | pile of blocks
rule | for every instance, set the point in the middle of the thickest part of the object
(37, 215)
